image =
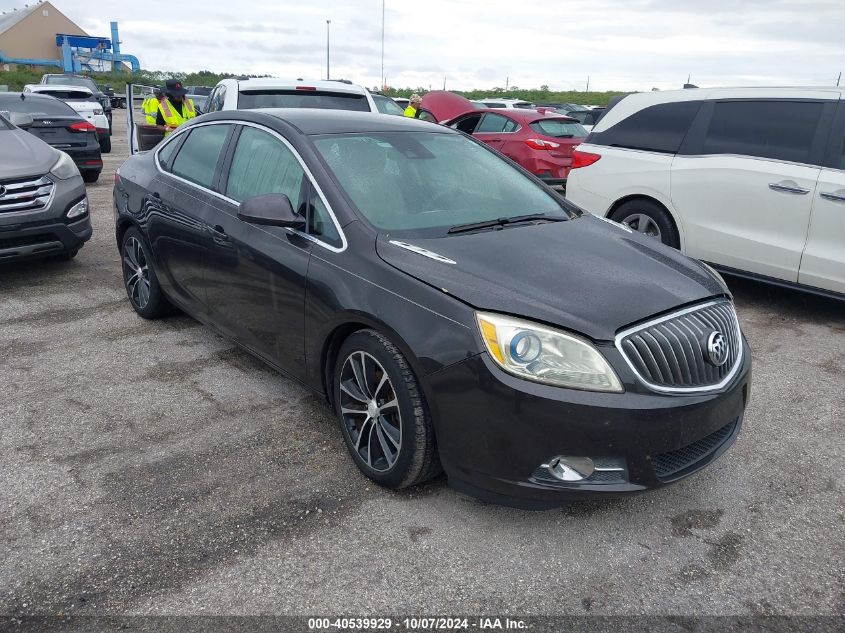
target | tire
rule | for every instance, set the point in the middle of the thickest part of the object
(648, 217)
(69, 255)
(399, 449)
(145, 293)
(105, 145)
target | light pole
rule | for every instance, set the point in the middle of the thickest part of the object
(328, 23)
(382, 45)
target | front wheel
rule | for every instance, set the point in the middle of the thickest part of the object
(382, 413)
(649, 218)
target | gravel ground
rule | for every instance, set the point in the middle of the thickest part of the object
(152, 468)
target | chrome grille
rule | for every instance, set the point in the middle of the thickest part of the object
(670, 354)
(30, 194)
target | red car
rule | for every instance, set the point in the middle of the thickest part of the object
(540, 141)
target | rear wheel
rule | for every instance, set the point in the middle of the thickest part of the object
(649, 218)
(105, 145)
(140, 279)
(383, 417)
(90, 176)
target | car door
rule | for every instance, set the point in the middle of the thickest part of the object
(491, 130)
(742, 182)
(180, 204)
(823, 262)
(256, 275)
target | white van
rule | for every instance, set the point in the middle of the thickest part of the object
(751, 180)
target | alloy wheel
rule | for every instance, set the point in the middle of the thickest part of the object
(370, 411)
(136, 272)
(643, 223)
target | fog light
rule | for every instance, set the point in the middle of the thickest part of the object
(79, 209)
(571, 468)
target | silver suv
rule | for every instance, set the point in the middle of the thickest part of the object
(43, 203)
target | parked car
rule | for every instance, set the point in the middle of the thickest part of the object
(564, 108)
(539, 142)
(86, 82)
(751, 180)
(43, 204)
(59, 125)
(402, 102)
(507, 104)
(200, 102)
(249, 94)
(587, 118)
(117, 101)
(452, 309)
(84, 102)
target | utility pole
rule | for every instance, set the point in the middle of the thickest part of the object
(507, 82)
(383, 78)
(838, 79)
(328, 74)
(588, 84)
(444, 82)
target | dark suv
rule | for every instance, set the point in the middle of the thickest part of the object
(43, 203)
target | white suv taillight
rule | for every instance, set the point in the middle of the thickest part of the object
(581, 158)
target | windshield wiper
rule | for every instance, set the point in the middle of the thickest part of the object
(500, 222)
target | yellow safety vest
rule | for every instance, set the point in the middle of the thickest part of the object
(411, 111)
(150, 107)
(172, 117)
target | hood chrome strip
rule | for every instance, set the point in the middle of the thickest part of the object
(421, 251)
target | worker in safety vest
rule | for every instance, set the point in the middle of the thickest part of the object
(150, 105)
(413, 109)
(175, 109)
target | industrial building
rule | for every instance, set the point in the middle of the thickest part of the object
(41, 35)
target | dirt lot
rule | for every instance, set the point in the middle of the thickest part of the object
(150, 467)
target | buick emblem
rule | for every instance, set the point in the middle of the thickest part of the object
(717, 349)
(47, 122)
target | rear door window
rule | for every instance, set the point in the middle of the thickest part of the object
(38, 107)
(302, 99)
(658, 128)
(780, 130)
(198, 157)
(492, 124)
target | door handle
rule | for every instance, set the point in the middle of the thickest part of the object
(834, 197)
(788, 187)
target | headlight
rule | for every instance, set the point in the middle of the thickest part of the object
(64, 168)
(541, 354)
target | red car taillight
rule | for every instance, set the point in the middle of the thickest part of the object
(538, 143)
(82, 126)
(583, 159)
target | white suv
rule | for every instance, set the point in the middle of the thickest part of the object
(751, 180)
(84, 102)
(249, 94)
(506, 104)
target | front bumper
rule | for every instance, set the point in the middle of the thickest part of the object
(494, 431)
(43, 239)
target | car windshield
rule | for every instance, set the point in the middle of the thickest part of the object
(420, 184)
(65, 80)
(559, 128)
(253, 99)
(386, 105)
(36, 106)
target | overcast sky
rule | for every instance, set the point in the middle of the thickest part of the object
(620, 44)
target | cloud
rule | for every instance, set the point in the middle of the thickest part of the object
(620, 44)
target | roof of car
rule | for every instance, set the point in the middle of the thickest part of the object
(265, 83)
(26, 95)
(319, 121)
(49, 87)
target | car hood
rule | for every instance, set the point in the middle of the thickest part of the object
(445, 105)
(584, 275)
(22, 154)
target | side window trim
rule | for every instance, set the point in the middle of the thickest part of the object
(835, 156)
(226, 156)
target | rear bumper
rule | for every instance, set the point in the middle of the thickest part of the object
(87, 159)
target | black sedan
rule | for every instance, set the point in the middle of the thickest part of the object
(60, 126)
(454, 311)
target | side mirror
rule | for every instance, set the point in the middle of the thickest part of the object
(272, 209)
(21, 120)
